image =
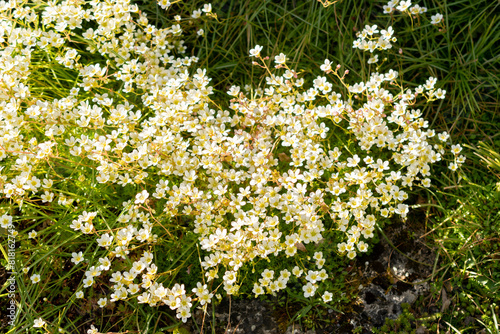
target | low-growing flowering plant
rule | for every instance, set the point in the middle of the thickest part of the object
(286, 165)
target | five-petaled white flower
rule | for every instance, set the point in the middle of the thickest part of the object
(255, 52)
(35, 278)
(38, 323)
(327, 296)
(141, 197)
(77, 257)
(436, 19)
(280, 59)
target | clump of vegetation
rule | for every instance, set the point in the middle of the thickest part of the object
(143, 176)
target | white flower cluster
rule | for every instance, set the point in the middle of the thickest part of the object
(257, 181)
(371, 39)
(106, 128)
(358, 188)
(406, 6)
(266, 284)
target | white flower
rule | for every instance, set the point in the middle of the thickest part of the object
(296, 271)
(370, 30)
(88, 281)
(327, 296)
(47, 197)
(35, 278)
(141, 197)
(436, 19)
(255, 52)
(318, 255)
(327, 66)
(5, 221)
(404, 5)
(38, 323)
(443, 136)
(402, 209)
(102, 302)
(280, 59)
(257, 289)
(362, 246)
(388, 9)
(207, 8)
(196, 14)
(79, 294)
(455, 149)
(105, 263)
(233, 91)
(92, 330)
(312, 276)
(87, 228)
(426, 182)
(309, 290)
(387, 34)
(440, 93)
(373, 59)
(77, 257)
(105, 240)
